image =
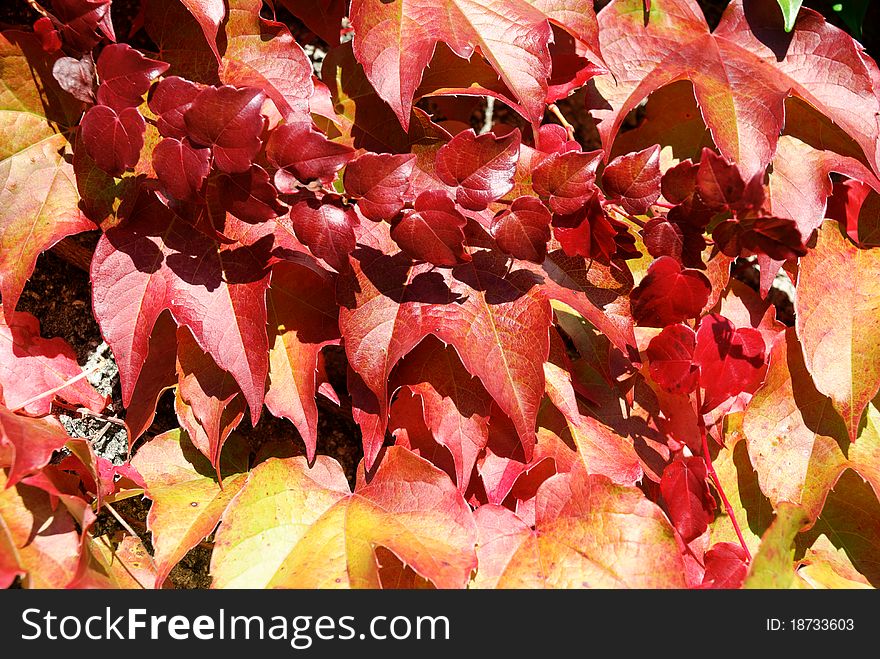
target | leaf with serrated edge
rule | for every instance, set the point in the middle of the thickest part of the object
(187, 499)
(328, 534)
(838, 321)
(571, 547)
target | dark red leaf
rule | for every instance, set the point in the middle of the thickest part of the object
(523, 230)
(586, 232)
(81, 20)
(776, 237)
(726, 566)
(250, 196)
(732, 360)
(113, 140)
(480, 168)
(682, 241)
(322, 18)
(433, 230)
(303, 318)
(325, 226)
(49, 38)
(669, 294)
(181, 167)
(566, 180)
(125, 75)
(633, 180)
(719, 182)
(679, 182)
(305, 154)
(671, 359)
(169, 100)
(380, 183)
(229, 120)
(689, 502)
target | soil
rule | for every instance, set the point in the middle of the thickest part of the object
(59, 295)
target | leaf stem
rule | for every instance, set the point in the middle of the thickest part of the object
(84, 411)
(624, 214)
(711, 469)
(37, 8)
(55, 390)
(125, 525)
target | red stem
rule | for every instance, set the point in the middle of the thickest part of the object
(663, 205)
(708, 458)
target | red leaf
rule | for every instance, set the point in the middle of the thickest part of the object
(300, 150)
(523, 230)
(155, 261)
(250, 196)
(671, 359)
(586, 232)
(454, 405)
(669, 294)
(742, 72)
(209, 404)
(686, 492)
(80, 21)
(732, 360)
(47, 34)
(125, 76)
(432, 231)
(323, 225)
(169, 100)
(726, 566)
(633, 180)
(209, 14)
(262, 53)
(380, 183)
(158, 373)
(113, 140)
(181, 167)
(394, 41)
(32, 443)
(31, 365)
(566, 180)
(303, 318)
(499, 328)
(479, 167)
(228, 120)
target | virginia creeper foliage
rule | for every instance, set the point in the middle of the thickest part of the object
(556, 380)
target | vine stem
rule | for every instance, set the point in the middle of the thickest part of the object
(711, 469)
(556, 112)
